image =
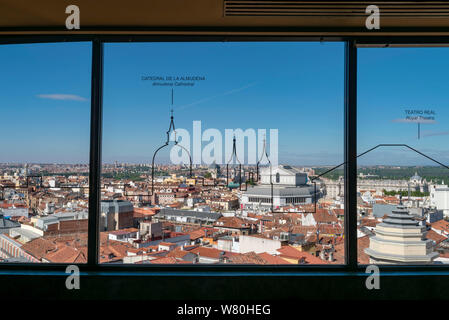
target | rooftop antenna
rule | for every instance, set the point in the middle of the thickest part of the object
(264, 152)
(170, 129)
(172, 123)
(234, 155)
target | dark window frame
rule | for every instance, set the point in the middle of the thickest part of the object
(351, 267)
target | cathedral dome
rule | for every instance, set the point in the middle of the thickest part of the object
(416, 177)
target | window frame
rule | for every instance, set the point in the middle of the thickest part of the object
(350, 268)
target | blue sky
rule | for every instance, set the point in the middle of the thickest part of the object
(392, 80)
(248, 85)
(296, 88)
(45, 102)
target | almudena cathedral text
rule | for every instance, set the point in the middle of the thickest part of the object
(225, 309)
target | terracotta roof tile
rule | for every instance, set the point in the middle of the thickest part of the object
(292, 253)
(435, 236)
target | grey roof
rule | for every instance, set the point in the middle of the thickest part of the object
(61, 216)
(113, 206)
(188, 213)
(225, 238)
(399, 217)
(289, 169)
(65, 215)
(48, 219)
(379, 210)
(6, 224)
(26, 233)
(300, 191)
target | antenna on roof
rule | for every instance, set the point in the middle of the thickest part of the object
(172, 123)
(234, 151)
(171, 109)
(171, 128)
(234, 156)
(264, 152)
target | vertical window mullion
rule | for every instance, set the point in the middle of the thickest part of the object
(351, 154)
(95, 152)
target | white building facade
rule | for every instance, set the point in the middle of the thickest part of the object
(281, 186)
(439, 198)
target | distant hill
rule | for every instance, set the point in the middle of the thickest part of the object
(435, 173)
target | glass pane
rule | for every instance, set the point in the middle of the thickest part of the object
(403, 146)
(235, 176)
(44, 152)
